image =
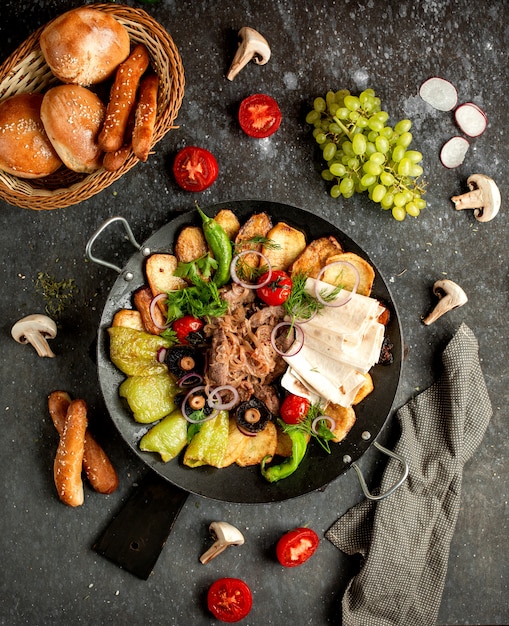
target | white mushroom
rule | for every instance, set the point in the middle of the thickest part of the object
(35, 329)
(252, 47)
(450, 297)
(225, 535)
(483, 197)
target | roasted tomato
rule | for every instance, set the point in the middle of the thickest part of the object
(195, 168)
(229, 599)
(188, 329)
(294, 409)
(259, 116)
(296, 546)
(277, 290)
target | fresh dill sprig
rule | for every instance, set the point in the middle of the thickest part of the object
(303, 305)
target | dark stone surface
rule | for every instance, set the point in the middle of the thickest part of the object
(50, 574)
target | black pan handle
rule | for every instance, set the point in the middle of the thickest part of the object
(396, 485)
(136, 536)
(145, 251)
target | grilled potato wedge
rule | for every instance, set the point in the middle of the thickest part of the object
(159, 270)
(258, 447)
(344, 417)
(258, 225)
(190, 244)
(365, 390)
(228, 220)
(236, 444)
(342, 275)
(315, 255)
(128, 318)
(286, 244)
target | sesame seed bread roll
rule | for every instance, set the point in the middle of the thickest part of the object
(73, 117)
(25, 149)
(84, 46)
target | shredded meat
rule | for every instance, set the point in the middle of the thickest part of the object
(241, 353)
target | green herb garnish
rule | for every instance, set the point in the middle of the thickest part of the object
(57, 295)
(301, 305)
(323, 433)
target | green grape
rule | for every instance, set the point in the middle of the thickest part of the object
(346, 186)
(321, 138)
(353, 116)
(398, 153)
(387, 179)
(361, 122)
(398, 213)
(327, 175)
(335, 128)
(332, 108)
(382, 144)
(347, 148)
(372, 168)
(387, 132)
(312, 117)
(377, 157)
(415, 170)
(420, 203)
(403, 126)
(335, 191)
(342, 113)
(330, 97)
(359, 144)
(400, 199)
(353, 163)
(372, 135)
(370, 149)
(337, 169)
(367, 180)
(329, 151)
(375, 124)
(319, 105)
(340, 95)
(412, 209)
(405, 139)
(387, 201)
(404, 167)
(378, 193)
(352, 103)
(383, 116)
(414, 156)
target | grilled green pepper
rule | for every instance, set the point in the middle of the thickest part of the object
(220, 246)
(290, 464)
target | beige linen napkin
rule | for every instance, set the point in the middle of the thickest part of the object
(405, 539)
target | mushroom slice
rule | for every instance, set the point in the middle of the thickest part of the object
(36, 329)
(252, 47)
(450, 295)
(225, 535)
(483, 197)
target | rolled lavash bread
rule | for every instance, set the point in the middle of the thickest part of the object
(73, 117)
(25, 149)
(84, 46)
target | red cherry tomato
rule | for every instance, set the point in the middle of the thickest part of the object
(195, 168)
(296, 547)
(187, 328)
(229, 599)
(277, 290)
(294, 409)
(259, 116)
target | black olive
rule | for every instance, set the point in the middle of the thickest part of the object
(252, 415)
(182, 360)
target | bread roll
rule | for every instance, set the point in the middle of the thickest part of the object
(84, 46)
(73, 117)
(25, 149)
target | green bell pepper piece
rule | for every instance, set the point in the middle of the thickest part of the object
(134, 352)
(168, 437)
(208, 446)
(150, 398)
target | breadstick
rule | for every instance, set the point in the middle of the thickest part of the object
(100, 472)
(69, 456)
(122, 99)
(146, 111)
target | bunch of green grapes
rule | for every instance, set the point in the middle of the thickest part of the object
(363, 153)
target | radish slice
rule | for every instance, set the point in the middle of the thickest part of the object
(453, 152)
(471, 119)
(440, 93)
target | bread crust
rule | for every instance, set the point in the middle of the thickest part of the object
(84, 46)
(73, 116)
(25, 149)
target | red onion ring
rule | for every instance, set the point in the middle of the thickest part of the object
(335, 303)
(327, 418)
(298, 331)
(153, 304)
(222, 406)
(235, 277)
(193, 378)
(246, 432)
(161, 354)
(183, 407)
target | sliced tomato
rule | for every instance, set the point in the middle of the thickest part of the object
(277, 290)
(259, 115)
(195, 168)
(229, 599)
(297, 546)
(294, 409)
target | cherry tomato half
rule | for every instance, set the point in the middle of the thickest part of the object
(294, 409)
(277, 290)
(296, 546)
(195, 168)
(259, 116)
(187, 329)
(229, 599)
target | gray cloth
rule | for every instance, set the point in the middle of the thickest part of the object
(405, 539)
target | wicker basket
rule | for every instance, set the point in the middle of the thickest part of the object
(26, 70)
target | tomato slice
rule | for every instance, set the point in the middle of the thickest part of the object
(277, 290)
(297, 546)
(195, 169)
(229, 599)
(259, 115)
(294, 409)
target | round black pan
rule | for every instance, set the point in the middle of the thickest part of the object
(246, 485)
